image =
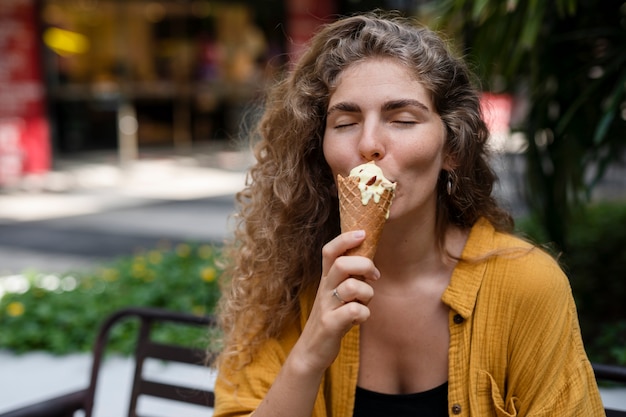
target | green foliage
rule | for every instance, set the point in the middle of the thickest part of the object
(61, 314)
(502, 36)
(566, 59)
(594, 262)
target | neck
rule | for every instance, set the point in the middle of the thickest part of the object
(403, 250)
(408, 254)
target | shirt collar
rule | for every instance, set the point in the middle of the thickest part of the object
(468, 274)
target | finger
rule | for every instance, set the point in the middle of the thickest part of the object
(338, 246)
(339, 298)
(353, 290)
(350, 314)
(345, 267)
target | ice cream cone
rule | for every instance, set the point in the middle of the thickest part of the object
(354, 215)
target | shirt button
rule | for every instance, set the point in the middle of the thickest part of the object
(458, 319)
(456, 409)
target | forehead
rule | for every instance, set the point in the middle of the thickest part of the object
(374, 61)
(379, 79)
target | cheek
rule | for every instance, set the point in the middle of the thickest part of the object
(332, 154)
(425, 157)
(429, 152)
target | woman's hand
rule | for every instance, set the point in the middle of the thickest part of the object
(295, 388)
(341, 302)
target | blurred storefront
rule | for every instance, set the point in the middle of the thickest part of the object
(125, 75)
(154, 73)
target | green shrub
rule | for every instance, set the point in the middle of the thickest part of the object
(60, 314)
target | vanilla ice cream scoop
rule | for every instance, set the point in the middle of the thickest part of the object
(372, 182)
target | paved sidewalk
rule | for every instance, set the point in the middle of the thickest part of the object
(90, 210)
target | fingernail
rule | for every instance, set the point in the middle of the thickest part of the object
(358, 234)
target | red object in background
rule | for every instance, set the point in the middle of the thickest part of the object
(497, 110)
(303, 19)
(24, 129)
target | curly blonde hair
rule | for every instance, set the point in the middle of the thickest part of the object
(289, 208)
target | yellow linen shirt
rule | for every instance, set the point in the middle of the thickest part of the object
(515, 343)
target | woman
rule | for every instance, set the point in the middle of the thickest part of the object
(454, 315)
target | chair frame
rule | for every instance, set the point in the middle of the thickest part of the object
(611, 373)
(66, 405)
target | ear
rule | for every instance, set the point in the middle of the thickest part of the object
(449, 163)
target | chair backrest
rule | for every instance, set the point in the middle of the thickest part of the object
(611, 373)
(164, 353)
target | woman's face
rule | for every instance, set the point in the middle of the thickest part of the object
(380, 112)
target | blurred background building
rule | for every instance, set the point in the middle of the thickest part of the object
(80, 76)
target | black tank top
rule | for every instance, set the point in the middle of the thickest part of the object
(431, 403)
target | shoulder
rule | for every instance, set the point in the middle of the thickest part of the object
(515, 265)
(522, 288)
(504, 273)
(528, 266)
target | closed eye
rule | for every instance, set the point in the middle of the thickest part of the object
(344, 125)
(343, 115)
(404, 123)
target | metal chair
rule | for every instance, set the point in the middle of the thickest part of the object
(146, 348)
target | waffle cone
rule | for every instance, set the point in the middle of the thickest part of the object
(356, 216)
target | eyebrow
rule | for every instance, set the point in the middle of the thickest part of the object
(407, 102)
(344, 106)
(349, 107)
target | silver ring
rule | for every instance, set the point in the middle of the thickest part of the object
(338, 297)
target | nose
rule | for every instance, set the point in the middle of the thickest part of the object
(371, 144)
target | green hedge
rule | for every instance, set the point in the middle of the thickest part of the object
(60, 314)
